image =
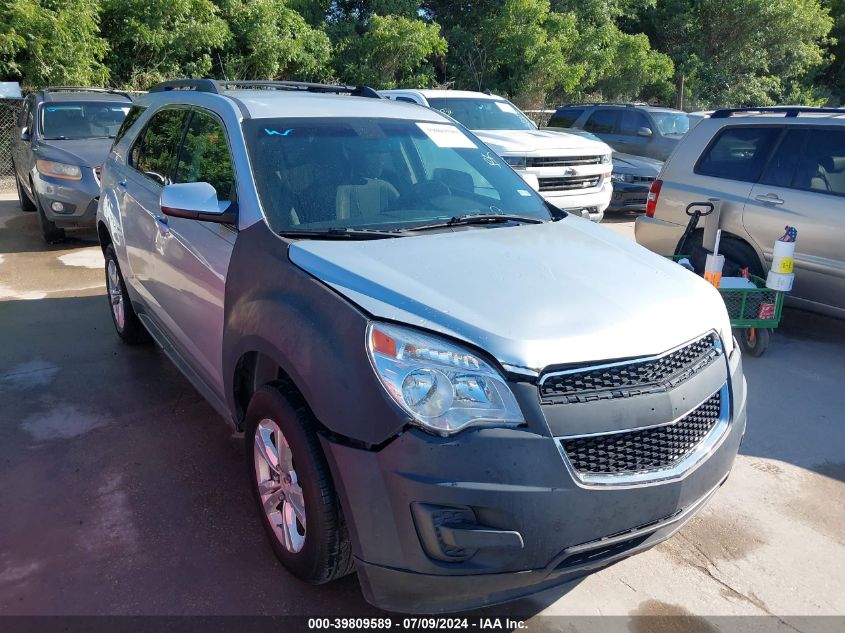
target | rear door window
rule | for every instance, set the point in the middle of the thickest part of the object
(822, 165)
(781, 168)
(602, 121)
(205, 155)
(738, 153)
(154, 151)
(565, 117)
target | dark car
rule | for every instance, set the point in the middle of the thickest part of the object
(633, 128)
(632, 176)
(65, 134)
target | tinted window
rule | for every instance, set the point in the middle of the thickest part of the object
(86, 119)
(738, 153)
(154, 151)
(631, 121)
(483, 114)
(205, 155)
(822, 165)
(135, 113)
(315, 173)
(602, 121)
(565, 117)
(781, 167)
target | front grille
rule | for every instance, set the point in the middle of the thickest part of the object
(568, 183)
(632, 378)
(643, 178)
(643, 450)
(562, 161)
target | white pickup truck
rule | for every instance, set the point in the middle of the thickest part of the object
(572, 172)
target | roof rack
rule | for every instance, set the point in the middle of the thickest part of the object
(110, 91)
(219, 87)
(788, 111)
(627, 104)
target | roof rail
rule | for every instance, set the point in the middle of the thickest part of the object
(627, 104)
(110, 91)
(200, 85)
(218, 87)
(788, 111)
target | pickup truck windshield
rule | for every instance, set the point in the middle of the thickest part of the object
(385, 174)
(68, 120)
(483, 114)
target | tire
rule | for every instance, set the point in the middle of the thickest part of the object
(757, 345)
(126, 322)
(317, 550)
(49, 231)
(26, 203)
(739, 255)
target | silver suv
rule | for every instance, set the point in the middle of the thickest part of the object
(444, 384)
(770, 167)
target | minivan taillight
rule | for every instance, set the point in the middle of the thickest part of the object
(653, 194)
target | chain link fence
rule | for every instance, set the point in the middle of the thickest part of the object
(9, 110)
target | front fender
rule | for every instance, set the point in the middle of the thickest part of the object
(316, 336)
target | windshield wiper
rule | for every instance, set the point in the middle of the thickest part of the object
(340, 233)
(479, 218)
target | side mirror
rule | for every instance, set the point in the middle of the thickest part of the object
(25, 135)
(196, 201)
(645, 131)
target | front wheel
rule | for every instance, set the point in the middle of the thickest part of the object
(49, 231)
(126, 321)
(26, 203)
(754, 341)
(293, 487)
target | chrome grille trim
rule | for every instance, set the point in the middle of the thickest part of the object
(562, 161)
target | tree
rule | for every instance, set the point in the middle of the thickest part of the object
(52, 42)
(742, 52)
(152, 40)
(391, 51)
(834, 74)
(272, 41)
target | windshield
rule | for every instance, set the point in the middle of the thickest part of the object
(671, 123)
(387, 174)
(483, 114)
(88, 119)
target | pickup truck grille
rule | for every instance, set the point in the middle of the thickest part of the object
(562, 161)
(643, 450)
(626, 379)
(569, 183)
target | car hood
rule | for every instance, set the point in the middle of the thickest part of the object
(531, 295)
(539, 141)
(639, 165)
(88, 152)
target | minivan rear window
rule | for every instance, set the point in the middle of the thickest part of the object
(738, 153)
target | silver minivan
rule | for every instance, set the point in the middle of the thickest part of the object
(770, 167)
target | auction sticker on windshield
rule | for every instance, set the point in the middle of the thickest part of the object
(446, 135)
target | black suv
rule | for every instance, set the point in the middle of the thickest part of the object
(633, 128)
(65, 134)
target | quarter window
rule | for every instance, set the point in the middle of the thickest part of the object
(154, 151)
(602, 121)
(205, 155)
(822, 165)
(565, 117)
(738, 153)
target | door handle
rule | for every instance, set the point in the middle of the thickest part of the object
(769, 198)
(162, 225)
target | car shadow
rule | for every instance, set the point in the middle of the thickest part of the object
(20, 232)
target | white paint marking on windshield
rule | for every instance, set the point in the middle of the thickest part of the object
(445, 135)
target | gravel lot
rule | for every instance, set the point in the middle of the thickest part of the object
(126, 494)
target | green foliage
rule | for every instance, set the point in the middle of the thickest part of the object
(272, 41)
(151, 40)
(391, 51)
(52, 42)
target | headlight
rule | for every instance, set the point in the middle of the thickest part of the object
(58, 170)
(517, 162)
(622, 178)
(442, 386)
